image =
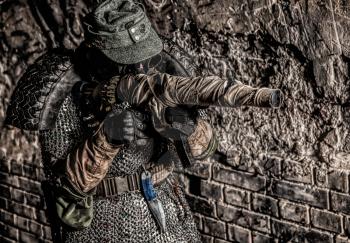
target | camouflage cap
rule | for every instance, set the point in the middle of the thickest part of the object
(122, 31)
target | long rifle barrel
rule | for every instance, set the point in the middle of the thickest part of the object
(208, 91)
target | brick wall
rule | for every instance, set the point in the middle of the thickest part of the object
(235, 205)
(22, 207)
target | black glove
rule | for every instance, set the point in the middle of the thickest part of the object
(128, 126)
(181, 120)
(172, 122)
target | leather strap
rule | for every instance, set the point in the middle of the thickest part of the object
(114, 186)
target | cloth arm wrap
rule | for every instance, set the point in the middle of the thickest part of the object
(202, 141)
(87, 165)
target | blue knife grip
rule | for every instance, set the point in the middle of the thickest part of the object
(147, 186)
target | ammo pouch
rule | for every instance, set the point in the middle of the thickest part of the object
(73, 209)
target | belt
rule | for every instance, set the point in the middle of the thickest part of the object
(114, 186)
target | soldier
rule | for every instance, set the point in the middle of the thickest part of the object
(115, 117)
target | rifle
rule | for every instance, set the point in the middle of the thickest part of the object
(157, 92)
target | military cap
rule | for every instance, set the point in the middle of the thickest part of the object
(122, 31)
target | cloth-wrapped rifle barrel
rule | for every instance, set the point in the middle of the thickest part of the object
(202, 91)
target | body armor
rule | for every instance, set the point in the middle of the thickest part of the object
(126, 217)
(51, 108)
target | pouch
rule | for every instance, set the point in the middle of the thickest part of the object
(73, 209)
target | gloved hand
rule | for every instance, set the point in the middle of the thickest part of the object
(128, 126)
(181, 120)
(172, 122)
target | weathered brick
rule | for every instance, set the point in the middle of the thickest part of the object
(8, 179)
(34, 200)
(16, 168)
(294, 212)
(238, 234)
(260, 238)
(314, 196)
(340, 202)
(6, 217)
(8, 231)
(4, 239)
(238, 178)
(287, 232)
(263, 165)
(211, 190)
(40, 215)
(21, 209)
(270, 166)
(4, 165)
(294, 171)
(347, 226)
(325, 220)
(207, 238)
(220, 241)
(27, 237)
(198, 220)
(22, 223)
(17, 195)
(236, 197)
(35, 228)
(214, 227)
(338, 180)
(30, 185)
(3, 203)
(200, 169)
(243, 218)
(30, 172)
(5, 191)
(201, 205)
(264, 204)
(47, 232)
(232, 158)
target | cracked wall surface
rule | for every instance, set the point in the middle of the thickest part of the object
(278, 175)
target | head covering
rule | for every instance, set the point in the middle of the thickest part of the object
(122, 31)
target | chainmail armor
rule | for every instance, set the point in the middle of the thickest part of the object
(59, 141)
(129, 159)
(130, 211)
(124, 218)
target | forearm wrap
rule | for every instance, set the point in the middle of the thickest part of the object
(88, 164)
(202, 141)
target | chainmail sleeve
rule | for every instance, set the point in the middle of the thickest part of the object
(57, 143)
